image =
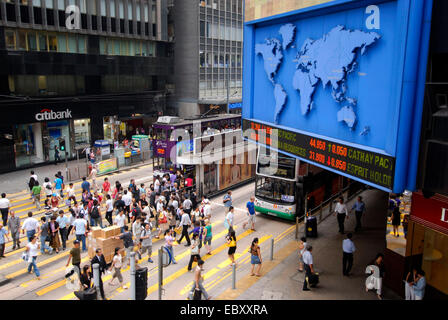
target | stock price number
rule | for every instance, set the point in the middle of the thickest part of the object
(339, 150)
(317, 157)
(337, 164)
(318, 144)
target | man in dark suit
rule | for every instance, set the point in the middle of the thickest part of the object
(99, 258)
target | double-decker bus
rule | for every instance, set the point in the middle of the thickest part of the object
(282, 191)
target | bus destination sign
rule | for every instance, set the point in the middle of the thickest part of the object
(373, 168)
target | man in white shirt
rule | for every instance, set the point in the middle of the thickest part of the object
(31, 226)
(157, 185)
(348, 248)
(228, 222)
(127, 199)
(308, 265)
(120, 221)
(341, 211)
(4, 208)
(80, 227)
(185, 222)
(92, 176)
(187, 204)
(207, 209)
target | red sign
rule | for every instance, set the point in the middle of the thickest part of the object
(431, 212)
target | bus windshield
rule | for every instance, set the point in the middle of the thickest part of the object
(272, 189)
(286, 165)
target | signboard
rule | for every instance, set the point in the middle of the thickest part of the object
(107, 166)
(369, 166)
(331, 78)
(432, 212)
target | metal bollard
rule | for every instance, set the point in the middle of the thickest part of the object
(133, 285)
(234, 277)
(160, 273)
(96, 279)
(297, 228)
(272, 249)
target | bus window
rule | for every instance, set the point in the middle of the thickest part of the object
(161, 134)
(277, 190)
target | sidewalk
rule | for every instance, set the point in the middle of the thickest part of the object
(17, 181)
(284, 281)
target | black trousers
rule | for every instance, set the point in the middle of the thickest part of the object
(192, 259)
(5, 216)
(358, 219)
(2, 250)
(184, 234)
(102, 289)
(341, 219)
(109, 217)
(64, 237)
(307, 275)
(347, 263)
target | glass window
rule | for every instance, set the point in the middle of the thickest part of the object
(145, 49)
(92, 7)
(153, 14)
(62, 43)
(123, 47)
(102, 46)
(72, 44)
(274, 189)
(110, 46)
(10, 39)
(82, 5)
(37, 3)
(32, 42)
(117, 47)
(82, 131)
(43, 42)
(129, 10)
(81, 44)
(160, 134)
(138, 12)
(146, 13)
(112, 8)
(53, 43)
(49, 4)
(121, 9)
(131, 48)
(61, 5)
(21, 40)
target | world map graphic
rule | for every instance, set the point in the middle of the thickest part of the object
(328, 60)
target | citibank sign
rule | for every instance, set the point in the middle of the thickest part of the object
(47, 114)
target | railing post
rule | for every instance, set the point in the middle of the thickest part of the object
(297, 227)
(160, 273)
(272, 249)
(133, 285)
(234, 277)
(96, 279)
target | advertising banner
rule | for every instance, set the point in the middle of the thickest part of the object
(107, 166)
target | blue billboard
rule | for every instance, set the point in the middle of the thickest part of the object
(342, 82)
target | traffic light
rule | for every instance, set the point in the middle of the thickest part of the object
(62, 144)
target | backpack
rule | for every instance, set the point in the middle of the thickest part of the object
(31, 183)
(95, 214)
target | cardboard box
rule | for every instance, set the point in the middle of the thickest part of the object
(96, 232)
(110, 232)
(91, 252)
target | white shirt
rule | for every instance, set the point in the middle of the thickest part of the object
(187, 204)
(127, 198)
(4, 203)
(34, 176)
(159, 206)
(93, 174)
(307, 257)
(175, 204)
(156, 185)
(47, 191)
(30, 224)
(117, 261)
(71, 192)
(341, 208)
(304, 249)
(80, 226)
(147, 211)
(119, 220)
(348, 246)
(207, 210)
(136, 229)
(229, 218)
(109, 205)
(33, 249)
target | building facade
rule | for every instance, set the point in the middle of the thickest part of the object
(106, 80)
(208, 54)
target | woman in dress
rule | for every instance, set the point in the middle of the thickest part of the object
(396, 220)
(116, 265)
(255, 258)
(231, 243)
(55, 243)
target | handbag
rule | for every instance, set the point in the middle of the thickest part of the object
(197, 294)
